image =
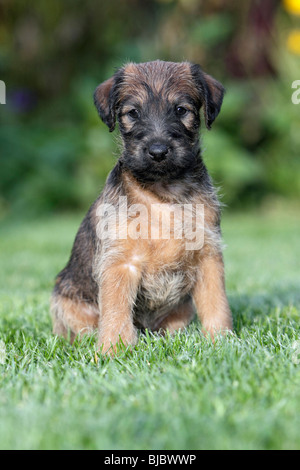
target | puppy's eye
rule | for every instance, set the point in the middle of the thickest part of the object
(133, 113)
(181, 111)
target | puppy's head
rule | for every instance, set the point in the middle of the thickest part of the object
(157, 106)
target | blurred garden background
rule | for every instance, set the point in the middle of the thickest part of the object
(179, 392)
(55, 153)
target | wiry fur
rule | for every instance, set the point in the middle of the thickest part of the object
(122, 285)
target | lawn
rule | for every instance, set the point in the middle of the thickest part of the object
(179, 392)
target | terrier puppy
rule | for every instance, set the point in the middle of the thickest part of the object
(124, 274)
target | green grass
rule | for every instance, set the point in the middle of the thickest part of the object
(179, 392)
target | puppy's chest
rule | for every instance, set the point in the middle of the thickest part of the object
(162, 290)
(168, 275)
(160, 252)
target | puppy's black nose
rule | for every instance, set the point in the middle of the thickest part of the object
(158, 152)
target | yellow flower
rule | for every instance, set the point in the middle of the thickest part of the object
(293, 41)
(292, 6)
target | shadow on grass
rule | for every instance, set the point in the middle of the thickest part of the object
(280, 303)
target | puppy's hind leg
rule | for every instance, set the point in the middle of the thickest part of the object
(178, 319)
(72, 317)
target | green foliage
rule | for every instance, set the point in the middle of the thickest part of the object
(55, 161)
(55, 153)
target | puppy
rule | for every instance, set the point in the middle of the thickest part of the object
(126, 273)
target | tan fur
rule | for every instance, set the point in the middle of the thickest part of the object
(210, 298)
(178, 319)
(72, 318)
(167, 271)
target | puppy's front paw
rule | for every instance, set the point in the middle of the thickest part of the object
(113, 344)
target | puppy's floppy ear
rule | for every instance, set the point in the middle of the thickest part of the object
(105, 99)
(211, 94)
